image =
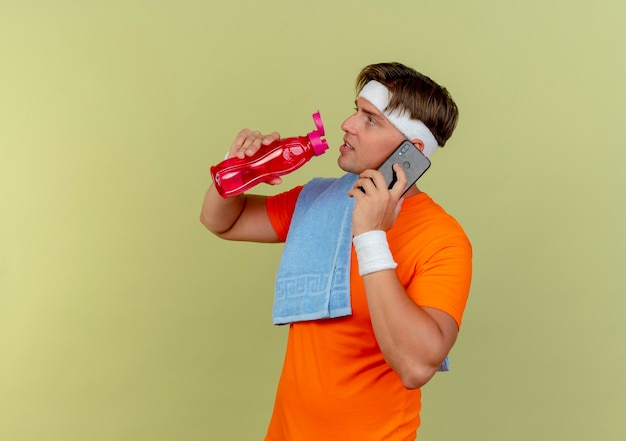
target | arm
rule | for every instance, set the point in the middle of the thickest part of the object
(241, 217)
(414, 340)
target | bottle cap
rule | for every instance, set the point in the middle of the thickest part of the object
(319, 145)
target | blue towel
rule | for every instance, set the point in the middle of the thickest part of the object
(313, 279)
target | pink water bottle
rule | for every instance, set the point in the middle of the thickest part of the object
(236, 175)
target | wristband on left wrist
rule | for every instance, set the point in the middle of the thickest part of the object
(373, 253)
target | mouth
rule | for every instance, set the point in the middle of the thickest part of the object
(346, 147)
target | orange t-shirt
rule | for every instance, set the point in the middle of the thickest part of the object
(335, 384)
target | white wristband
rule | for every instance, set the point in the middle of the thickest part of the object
(372, 251)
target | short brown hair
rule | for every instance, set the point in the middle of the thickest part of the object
(416, 93)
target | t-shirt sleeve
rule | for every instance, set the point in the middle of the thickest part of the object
(280, 210)
(444, 278)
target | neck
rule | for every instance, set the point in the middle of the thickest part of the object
(413, 191)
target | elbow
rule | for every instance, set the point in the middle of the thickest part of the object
(412, 382)
(416, 376)
(204, 220)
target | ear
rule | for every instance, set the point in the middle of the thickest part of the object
(419, 144)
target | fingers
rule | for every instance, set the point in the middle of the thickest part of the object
(369, 181)
(376, 207)
(248, 142)
(372, 181)
(398, 188)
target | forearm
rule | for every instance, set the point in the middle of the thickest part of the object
(218, 214)
(411, 340)
(241, 217)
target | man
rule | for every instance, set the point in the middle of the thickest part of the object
(356, 373)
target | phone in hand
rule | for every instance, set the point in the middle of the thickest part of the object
(412, 160)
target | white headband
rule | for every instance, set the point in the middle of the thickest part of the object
(377, 94)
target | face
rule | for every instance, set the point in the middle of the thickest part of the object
(369, 139)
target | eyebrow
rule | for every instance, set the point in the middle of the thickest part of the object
(377, 115)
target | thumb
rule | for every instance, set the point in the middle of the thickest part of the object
(276, 181)
(398, 207)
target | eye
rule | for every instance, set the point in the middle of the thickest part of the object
(369, 120)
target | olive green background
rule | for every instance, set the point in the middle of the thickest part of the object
(121, 318)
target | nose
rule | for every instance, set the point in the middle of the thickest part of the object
(348, 125)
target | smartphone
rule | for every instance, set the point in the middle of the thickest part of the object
(411, 159)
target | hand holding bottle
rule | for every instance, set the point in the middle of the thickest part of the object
(248, 142)
(254, 158)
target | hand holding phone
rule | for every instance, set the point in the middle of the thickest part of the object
(412, 160)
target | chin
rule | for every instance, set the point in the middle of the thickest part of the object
(346, 167)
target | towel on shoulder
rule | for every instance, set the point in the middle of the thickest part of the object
(313, 279)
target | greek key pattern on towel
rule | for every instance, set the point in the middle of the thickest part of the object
(313, 284)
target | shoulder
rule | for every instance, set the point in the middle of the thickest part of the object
(434, 256)
(280, 210)
(425, 232)
(421, 214)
